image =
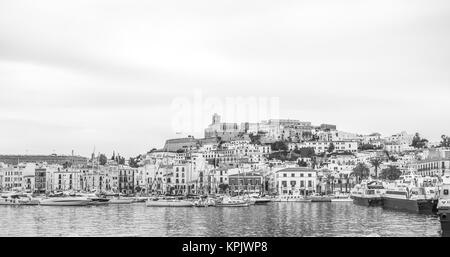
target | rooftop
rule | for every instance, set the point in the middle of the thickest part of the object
(299, 169)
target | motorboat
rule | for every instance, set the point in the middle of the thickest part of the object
(320, 198)
(95, 199)
(259, 200)
(140, 199)
(233, 202)
(341, 198)
(205, 202)
(291, 198)
(368, 193)
(65, 201)
(120, 200)
(16, 199)
(169, 202)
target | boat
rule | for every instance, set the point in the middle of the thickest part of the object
(95, 199)
(408, 198)
(116, 198)
(17, 199)
(65, 201)
(205, 202)
(443, 207)
(410, 194)
(368, 193)
(320, 198)
(233, 202)
(291, 198)
(140, 199)
(262, 200)
(168, 202)
(120, 200)
(341, 198)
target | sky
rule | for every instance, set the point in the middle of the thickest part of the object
(110, 75)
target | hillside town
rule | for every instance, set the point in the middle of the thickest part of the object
(274, 157)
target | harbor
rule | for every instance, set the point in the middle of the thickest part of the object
(372, 209)
(276, 219)
(276, 180)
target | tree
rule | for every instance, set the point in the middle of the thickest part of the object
(365, 147)
(445, 141)
(361, 171)
(419, 142)
(306, 152)
(223, 187)
(121, 160)
(103, 159)
(391, 173)
(67, 165)
(331, 148)
(113, 156)
(133, 162)
(279, 146)
(376, 162)
(255, 139)
(302, 163)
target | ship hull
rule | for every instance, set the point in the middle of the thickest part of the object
(367, 201)
(444, 218)
(234, 205)
(262, 201)
(417, 206)
(65, 203)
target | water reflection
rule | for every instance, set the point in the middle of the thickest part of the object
(275, 219)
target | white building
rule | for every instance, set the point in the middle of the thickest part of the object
(397, 147)
(12, 176)
(66, 180)
(323, 146)
(296, 181)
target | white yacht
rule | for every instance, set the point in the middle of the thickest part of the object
(169, 202)
(291, 198)
(233, 202)
(65, 201)
(16, 199)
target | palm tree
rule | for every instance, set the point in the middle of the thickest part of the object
(376, 163)
(361, 171)
(391, 173)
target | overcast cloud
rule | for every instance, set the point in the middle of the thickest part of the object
(79, 74)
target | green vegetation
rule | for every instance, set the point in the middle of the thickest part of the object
(445, 141)
(331, 148)
(419, 142)
(391, 173)
(307, 152)
(361, 171)
(376, 162)
(279, 146)
(102, 159)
